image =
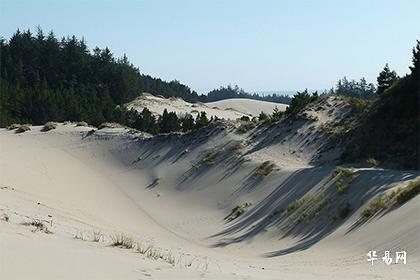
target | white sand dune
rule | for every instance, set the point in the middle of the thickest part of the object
(249, 106)
(229, 109)
(161, 192)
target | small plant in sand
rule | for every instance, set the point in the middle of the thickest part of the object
(38, 226)
(209, 157)
(109, 125)
(343, 178)
(82, 124)
(246, 126)
(4, 217)
(371, 162)
(237, 211)
(67, 122)
(123, 241)
(22, 128)
(265, 168)
(49, 126)
(399, 196)
(13, 126)
(237, 144)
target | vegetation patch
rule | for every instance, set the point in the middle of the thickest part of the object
(38, 226)
(13, 126)
(246, 126)
(209, 157)
(49, 126)
(22, 128)
(4, 217)
(109, 125)
(357, 104)
(371, 162)
(399, 196)
(238, 211)
(123, 241)
(82, 124)
(343, 178)
(265, 168)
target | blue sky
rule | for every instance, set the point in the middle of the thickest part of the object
(259, 45)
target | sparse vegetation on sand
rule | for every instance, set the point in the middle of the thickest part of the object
(357, 104)
(22, 128)
(399, 196)
(13, 126)
(38, 226)
(209, 157)
(371, 162)
(4, 217)
(237, 211)
(110, 125)
(246, 126)
(343, 178)
(265, 168)
(123, 241)
(49, 126)
(82, 124)
(308, 206)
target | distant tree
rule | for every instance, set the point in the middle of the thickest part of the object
(201, 120)
(386, 78)
(299, 101)
(236, 92)
(187, 122)
(169, 122)
(415, 69)
(263, 117)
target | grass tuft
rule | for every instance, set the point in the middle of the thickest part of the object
(123, 241)
(22, 128)
(265, 168)
(49, 126)
(343, 178)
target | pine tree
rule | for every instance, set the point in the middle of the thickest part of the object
(386, 78)
(201, 120)
(187, 122)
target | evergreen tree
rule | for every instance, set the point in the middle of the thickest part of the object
(386, 78)
(201, 120)
(187, 122)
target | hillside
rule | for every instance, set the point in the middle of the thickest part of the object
(214, 203)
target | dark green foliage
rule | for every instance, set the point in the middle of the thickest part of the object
(389, 132)
(169, 122)
(262, 117)
(299, 102)
(357, 89)
(236, 92)
(245, 118)
(43, 78)
(386, 79)
(201, 120)
(187, 123)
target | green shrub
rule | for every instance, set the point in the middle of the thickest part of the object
(246, 126)
(265, 168)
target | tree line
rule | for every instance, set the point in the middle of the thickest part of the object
(43, 78)
(236, 92)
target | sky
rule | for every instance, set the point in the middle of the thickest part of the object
(260, 45)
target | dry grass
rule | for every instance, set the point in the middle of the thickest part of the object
(371, 162)
(265, 168)
(209, 157)
(399, 196)
(238, 211)
(122, 241)
(343, 178)
(13, 126)
(22, 128)
(82, 124)
(49, 126)
(38, 226)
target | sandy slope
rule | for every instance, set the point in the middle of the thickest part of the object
(79, 183)
(230, 109)
(249, 106)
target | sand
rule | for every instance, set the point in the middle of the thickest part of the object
(229, 109)
(159, 192)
